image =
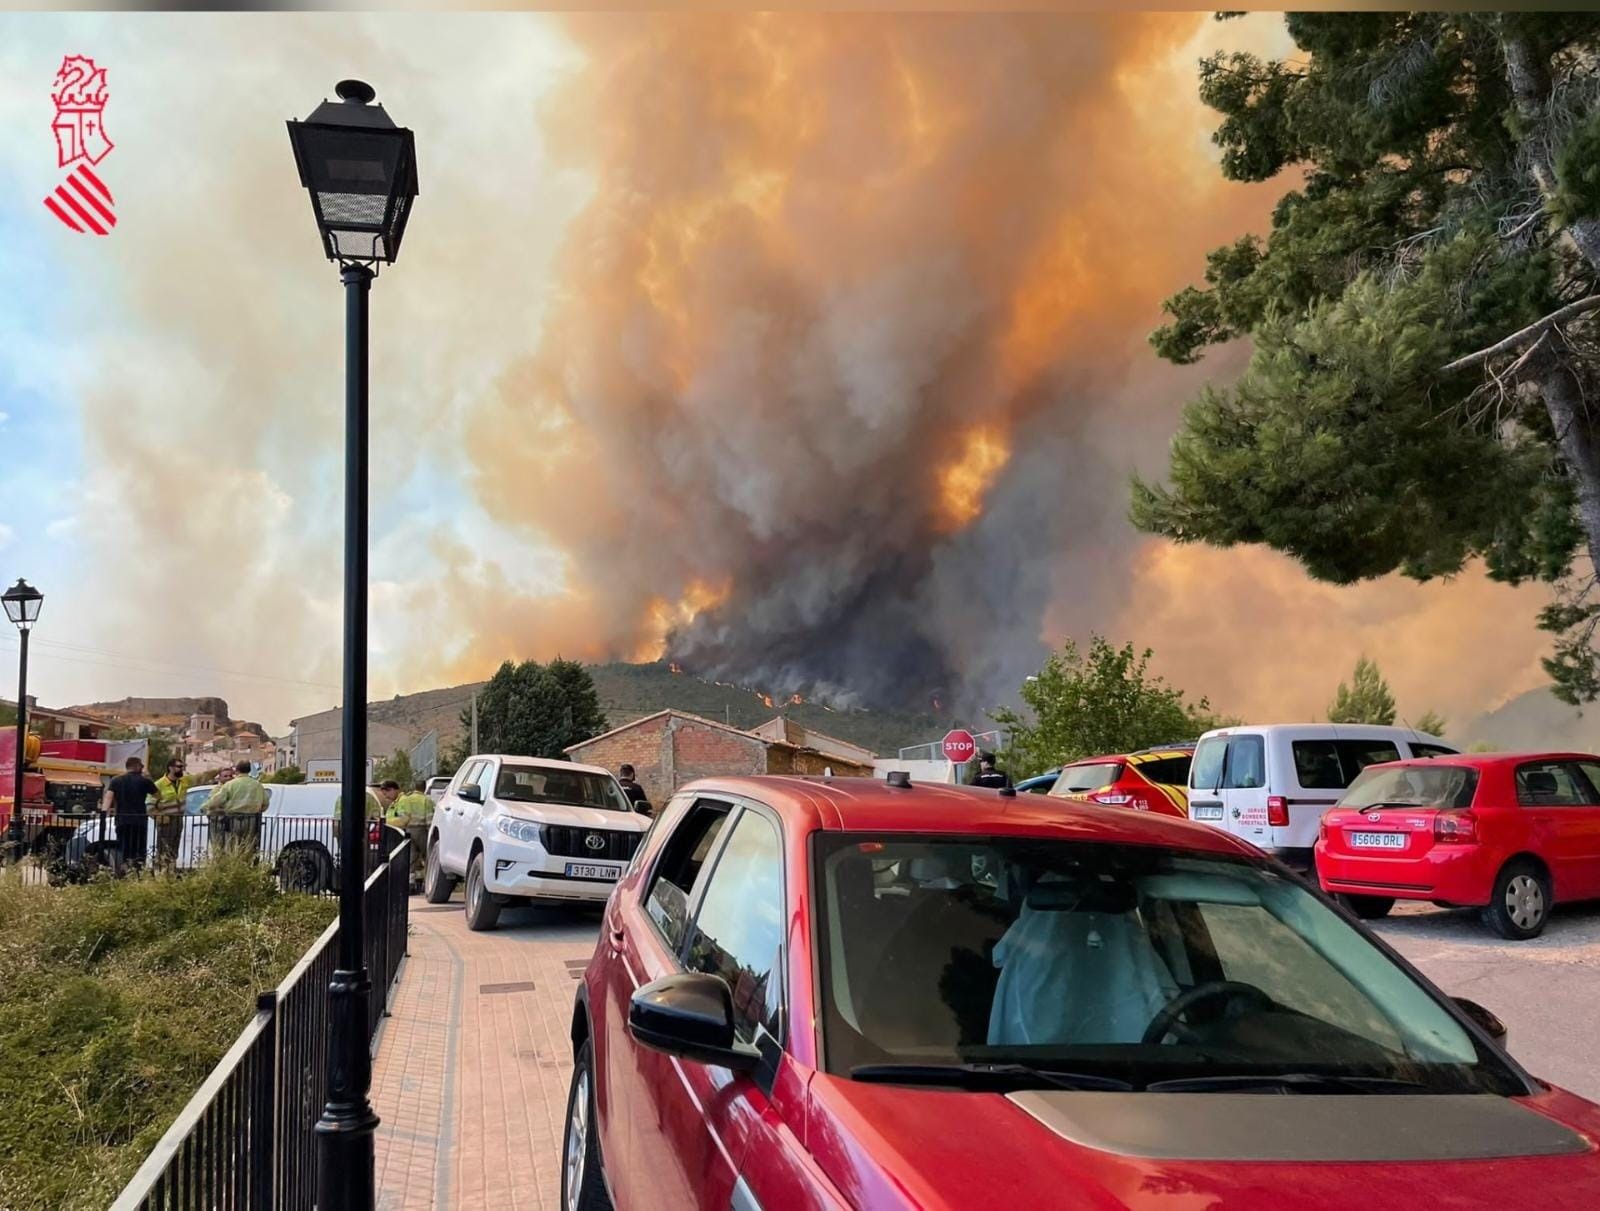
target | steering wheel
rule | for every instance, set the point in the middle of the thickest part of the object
(1167, 1019)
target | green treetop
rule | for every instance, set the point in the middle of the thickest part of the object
(1422, 310)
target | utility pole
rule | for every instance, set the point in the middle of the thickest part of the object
(474, 721)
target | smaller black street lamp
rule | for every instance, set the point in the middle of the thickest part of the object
(361, 171)
(23, 603)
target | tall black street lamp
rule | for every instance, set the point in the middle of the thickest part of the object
(23, 603)
(361, 171)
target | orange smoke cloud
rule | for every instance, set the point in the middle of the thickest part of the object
(818, 246)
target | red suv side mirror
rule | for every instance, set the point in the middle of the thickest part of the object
(690, 1014)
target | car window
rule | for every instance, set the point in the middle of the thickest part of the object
(542, 784)
(1431, 750)
(1448, 786)
(1591, 774)
(485, 779)
(1083, 954)
(1206, 769)
(682, 863)
(1551, 784)
(1170, 771)
(1247, 763)
(1075, 779)
(1333, 764)
(1255, 948)
(738, 931)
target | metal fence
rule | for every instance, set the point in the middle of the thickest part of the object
(302, 851)
(247, 1139)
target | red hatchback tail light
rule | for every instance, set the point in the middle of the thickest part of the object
(1126, 799)
(1277, 811)
(1459, 828)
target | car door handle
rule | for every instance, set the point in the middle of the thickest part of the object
(616, 939)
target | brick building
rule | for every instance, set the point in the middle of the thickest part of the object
(670, 748)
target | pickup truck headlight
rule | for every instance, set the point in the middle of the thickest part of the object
(517, 830)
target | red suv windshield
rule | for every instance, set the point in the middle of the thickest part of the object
(1130, 962)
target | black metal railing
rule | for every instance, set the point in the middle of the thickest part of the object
(247, 1139)
(74, 847)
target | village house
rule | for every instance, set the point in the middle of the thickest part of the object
(670, 748)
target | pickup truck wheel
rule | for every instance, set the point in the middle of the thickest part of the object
(305, 869)
(483, 910)
(583, 1186)
(437, 886)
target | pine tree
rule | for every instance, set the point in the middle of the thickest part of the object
(1366, 699)
(1432, 723)
(1422, 312)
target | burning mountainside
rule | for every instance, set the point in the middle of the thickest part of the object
(839, 334)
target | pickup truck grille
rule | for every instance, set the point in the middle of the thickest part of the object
(569, 841)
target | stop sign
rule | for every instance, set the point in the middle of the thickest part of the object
(959, 746)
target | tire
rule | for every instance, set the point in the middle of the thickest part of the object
(583, 1183)
(1368, 908)
(1519, 904)
(305, 869)
(483, 910)
(437, 887)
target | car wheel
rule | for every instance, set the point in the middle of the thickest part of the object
(437, 887)
(1520, 903)
(1368, 908)
(483, 910)
(583, 1185)
(305, 870)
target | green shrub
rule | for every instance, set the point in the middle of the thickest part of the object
(116, 1000)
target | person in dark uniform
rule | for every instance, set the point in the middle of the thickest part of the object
(631, 788)
(126, 797)
(988, 775)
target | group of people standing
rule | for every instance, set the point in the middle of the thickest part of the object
(233, 809)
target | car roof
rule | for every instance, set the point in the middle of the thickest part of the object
(1336, 731)
(1182, 746)
(1484, 760)
(872, 805)
(540, 762)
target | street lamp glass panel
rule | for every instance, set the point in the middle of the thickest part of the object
(361, 172)
(23, 603)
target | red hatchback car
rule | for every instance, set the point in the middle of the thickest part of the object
(847, 993)
(1506, 832)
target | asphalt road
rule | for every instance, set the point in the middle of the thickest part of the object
(1547, 991)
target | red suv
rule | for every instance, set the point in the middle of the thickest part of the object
(883, 996)
(1510, 833)
(1153, 780)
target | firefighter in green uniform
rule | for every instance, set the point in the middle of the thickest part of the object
(234, 810)
(378, 802)
(167, 811)
(412, 814)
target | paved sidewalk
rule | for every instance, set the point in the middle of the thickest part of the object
(470, 1079)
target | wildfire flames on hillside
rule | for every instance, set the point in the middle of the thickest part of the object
(842, 323)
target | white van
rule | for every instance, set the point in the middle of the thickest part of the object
(1270, 784)
(298, 835)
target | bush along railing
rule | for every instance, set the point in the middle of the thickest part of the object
(246, 1140)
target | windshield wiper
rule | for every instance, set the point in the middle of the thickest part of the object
(1287, 1082)
(977, 1076)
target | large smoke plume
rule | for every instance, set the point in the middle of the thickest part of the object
(850, 369)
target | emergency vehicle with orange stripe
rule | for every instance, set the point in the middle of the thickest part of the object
(1151, 780)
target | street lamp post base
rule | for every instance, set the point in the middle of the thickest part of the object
(345, 1160)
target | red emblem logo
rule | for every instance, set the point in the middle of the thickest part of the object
(82, 201)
